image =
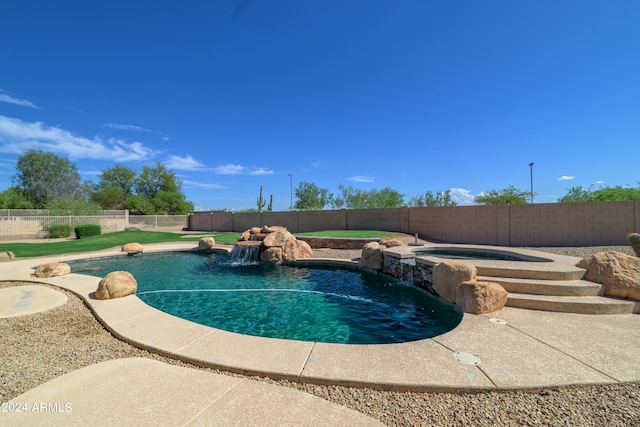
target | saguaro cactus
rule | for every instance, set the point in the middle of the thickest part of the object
(634, 242)
(260, 201)
(270, 206)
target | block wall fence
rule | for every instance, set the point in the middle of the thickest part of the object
(549, 224)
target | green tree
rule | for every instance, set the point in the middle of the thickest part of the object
(352, 198)
(442, 198)
(310, 197)
(162, 190)
(115, 185)
(602, 194)
(13, 198)
(509, 195)
(43, 177)
(385, 198)
(71, 206)
(138, 204)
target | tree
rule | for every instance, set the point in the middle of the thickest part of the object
(153, 179)
(385, 198)
(162, 190)
(602, 194)
(115, 185)
(509, 196)
(71, 206)
(311, 197)
(43, 177)
(12, 198)
(430, 198)
(352, 198)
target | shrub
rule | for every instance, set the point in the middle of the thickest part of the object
(87, 230)
(58, 231)
(132, 228)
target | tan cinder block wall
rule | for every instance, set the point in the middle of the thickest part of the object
(548, 224)
(392, 219)
(284, 219)
(322, 220)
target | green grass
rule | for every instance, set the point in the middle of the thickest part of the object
(110, 240)
(106, 241)
(352, 234)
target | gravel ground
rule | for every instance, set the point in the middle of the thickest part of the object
(39, 347)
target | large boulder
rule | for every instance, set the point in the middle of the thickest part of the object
(206, 243)
(480, 297)
(372, 255)
(618, 272)
(7, 256)
(295, 249)
(116, 284)
(132, 248)
(391, 242)
(277, 238)
(447, 275)
(52, 269)
(272, 255)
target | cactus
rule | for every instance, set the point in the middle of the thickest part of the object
(270, 206)
(634, 241)
(260, 201)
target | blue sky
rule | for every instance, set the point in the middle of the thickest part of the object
(415, 95)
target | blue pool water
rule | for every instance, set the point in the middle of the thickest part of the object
(323, 304)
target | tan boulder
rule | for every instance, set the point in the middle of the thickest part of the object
(206, 244)
(296, 249)
(277, 238)
(7, 256)
(305, 249)
(132, 248)
(391, 242)
(480, 297)
(620, 273)
(273, 255)
(116, 284)
(52, 269)
(272, 229)
(372, 255)
(447, 275)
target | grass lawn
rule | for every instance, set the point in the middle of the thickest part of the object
(110, 240)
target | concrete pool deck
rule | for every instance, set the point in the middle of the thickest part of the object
(510, 349)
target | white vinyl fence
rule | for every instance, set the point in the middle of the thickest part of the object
(159, 222)
(19, 224)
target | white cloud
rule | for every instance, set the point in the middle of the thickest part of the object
(232, 169)
(360, 178)
(462, 196)
(566, 178)
(119, 126)
(261, 171)
(17, 136)
(229, 169)
(184, 163)
(17, 101)
(134, 128)
(195, 184)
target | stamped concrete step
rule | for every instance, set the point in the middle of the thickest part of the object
(573, 304)
(547, 287)
(531, 270)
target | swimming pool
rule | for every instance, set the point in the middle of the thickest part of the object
(320, 303)
(477, 254)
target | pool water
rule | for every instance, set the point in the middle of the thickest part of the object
(471, 254)
(321, 304)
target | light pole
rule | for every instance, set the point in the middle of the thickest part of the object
(531, 167)
(291, 191)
